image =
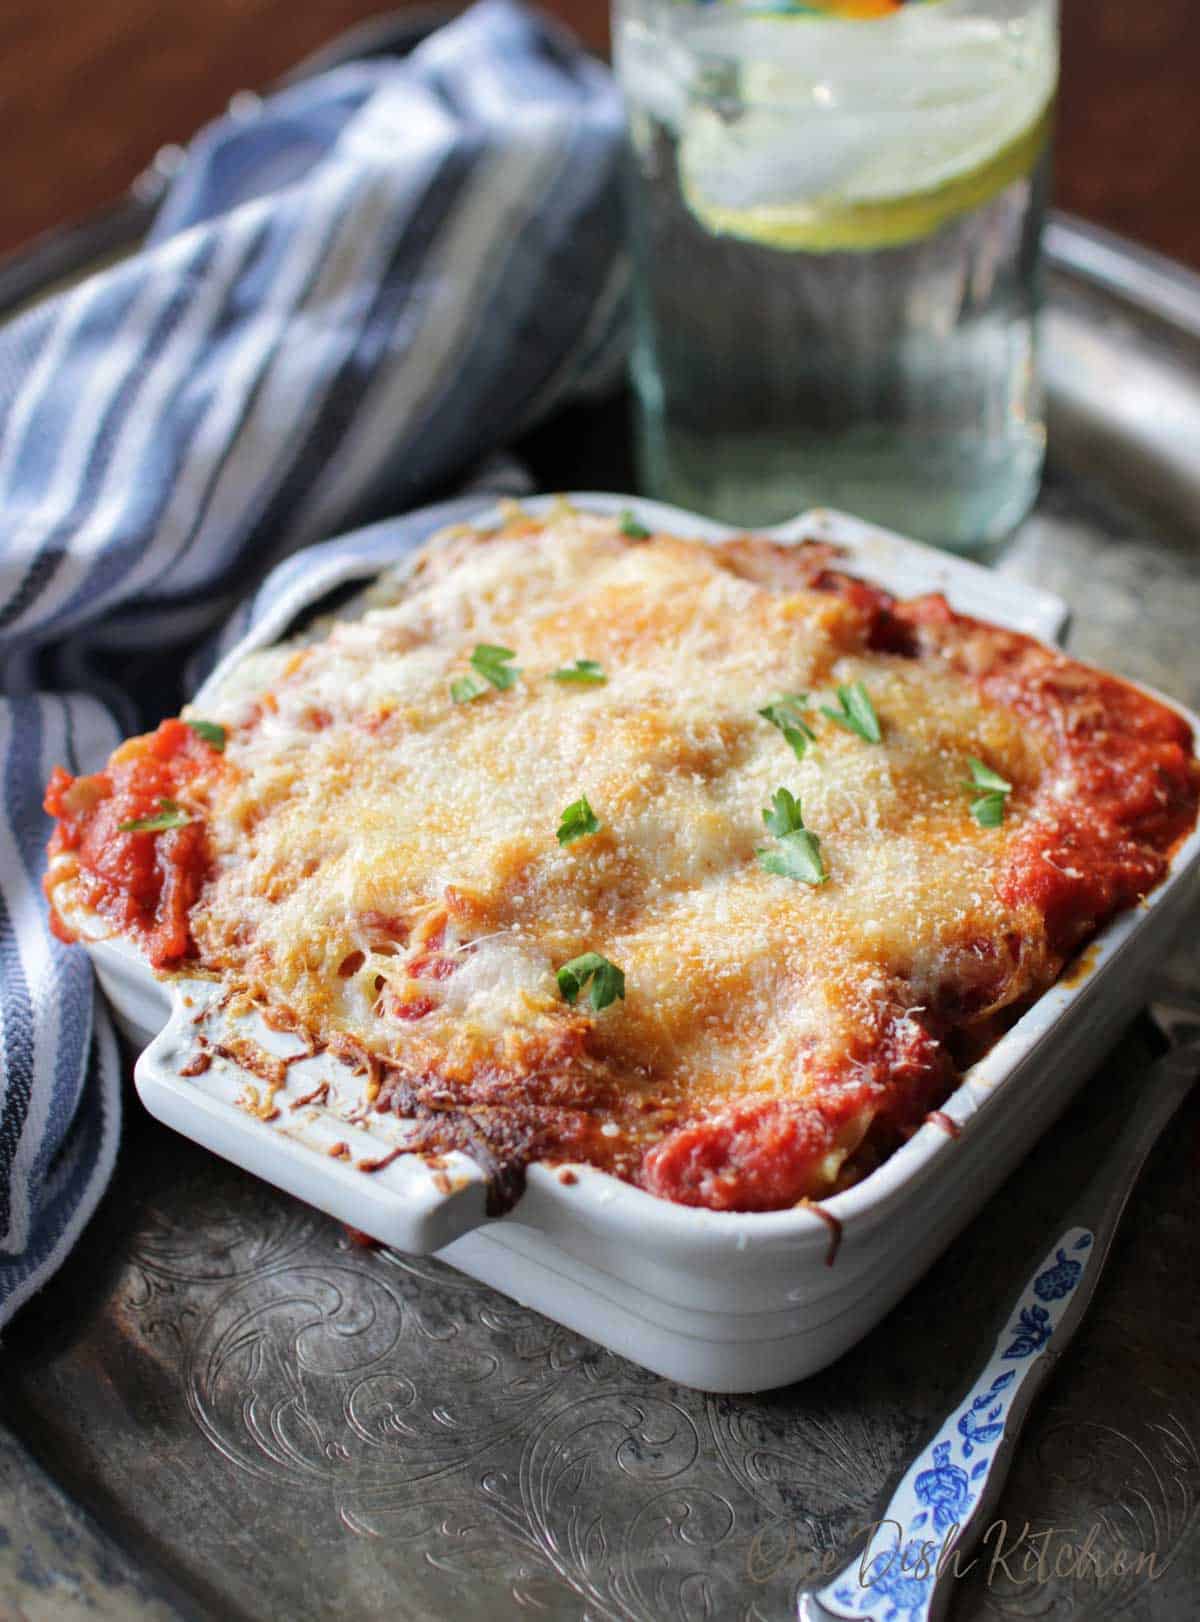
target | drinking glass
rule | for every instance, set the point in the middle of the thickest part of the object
(836, 212)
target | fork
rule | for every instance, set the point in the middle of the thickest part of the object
(909, 1556)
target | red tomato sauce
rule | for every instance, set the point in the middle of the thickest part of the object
(1127, 766)
(751, 1157)
(1121, 793)
(767, 1155)
(144, 884)
(1123, 789)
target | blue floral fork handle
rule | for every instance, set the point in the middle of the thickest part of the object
(921, 1542)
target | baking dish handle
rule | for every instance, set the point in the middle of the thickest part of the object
(406, 1200)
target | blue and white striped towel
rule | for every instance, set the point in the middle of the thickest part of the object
(348, 302)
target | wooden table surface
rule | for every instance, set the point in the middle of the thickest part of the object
(90, 89)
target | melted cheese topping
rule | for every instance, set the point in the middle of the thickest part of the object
(387, 868)
(377, 867)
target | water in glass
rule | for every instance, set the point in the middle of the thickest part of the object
(836, 211)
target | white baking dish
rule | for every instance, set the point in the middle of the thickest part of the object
(721, 1301)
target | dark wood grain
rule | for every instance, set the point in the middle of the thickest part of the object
(89, 89)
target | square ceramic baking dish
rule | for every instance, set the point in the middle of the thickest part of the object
(725, 1302)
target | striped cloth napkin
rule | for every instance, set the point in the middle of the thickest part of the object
(349, 301)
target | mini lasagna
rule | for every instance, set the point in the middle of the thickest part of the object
(708, 865)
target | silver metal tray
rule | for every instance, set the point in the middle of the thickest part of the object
(224, 1407)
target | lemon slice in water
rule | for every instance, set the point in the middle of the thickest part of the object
(829, 149)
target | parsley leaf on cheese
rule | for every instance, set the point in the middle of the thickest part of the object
(584, 672)
(784, 817)
(798, 853)
(855, 712)
(796, 857)
(785, 712)
(578, 820)
(466, 688)
(631, 527)
(494, 665)
(988, 809)
(607, 981)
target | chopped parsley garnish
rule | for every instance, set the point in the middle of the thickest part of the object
(798, 853)
(466, 688)
(578, 820)
(168, 815)
(607, 981)
(631, 527)
(796, 857)
(211, 732)
(785, 712)
(988, 809)
(584, 672)
(855, 712)
(493, 664)
(784, 815)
